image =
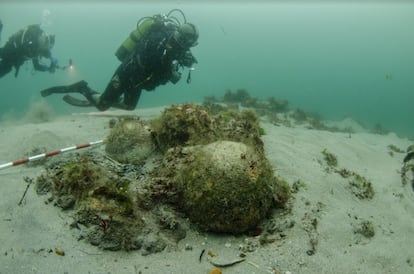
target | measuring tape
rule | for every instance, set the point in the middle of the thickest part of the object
(48, 154)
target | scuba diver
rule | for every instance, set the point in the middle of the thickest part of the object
(152, 55)
(29, 43)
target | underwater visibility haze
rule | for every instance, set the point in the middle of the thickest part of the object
(339, 59)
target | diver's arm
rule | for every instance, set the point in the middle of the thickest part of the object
(38, 66)
(188, 59)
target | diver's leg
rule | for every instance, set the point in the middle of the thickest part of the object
(131, 99)
(111, 95)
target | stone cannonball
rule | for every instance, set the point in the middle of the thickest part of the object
(224, 186)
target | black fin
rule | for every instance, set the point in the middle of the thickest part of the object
(76, 87)
(76, 102)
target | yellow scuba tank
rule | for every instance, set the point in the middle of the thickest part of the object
(132, 40)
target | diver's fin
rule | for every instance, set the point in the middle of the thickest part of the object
(76, 87)
(76, 102)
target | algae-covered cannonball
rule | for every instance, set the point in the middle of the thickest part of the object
(129, 142)
(224, 186)
(184, 125)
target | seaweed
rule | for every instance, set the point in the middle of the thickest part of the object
(181, 125)
(299, 116)
(241, 96)
(379, 129)
(330, 158)
(394, 148)
(407, 170)
(361, 187)
(365, 228)
(278, 105)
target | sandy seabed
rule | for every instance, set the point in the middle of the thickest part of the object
(31, 232)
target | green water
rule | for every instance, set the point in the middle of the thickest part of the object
(341, 59)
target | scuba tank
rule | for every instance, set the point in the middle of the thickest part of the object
(132, 40)
(143, 26)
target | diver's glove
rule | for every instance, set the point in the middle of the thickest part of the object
(53, 64)
(175, 74)
(188, 60)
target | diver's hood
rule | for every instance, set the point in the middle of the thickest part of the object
(46, 42)
(186, 35)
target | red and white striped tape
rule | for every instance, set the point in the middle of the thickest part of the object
(48, 154)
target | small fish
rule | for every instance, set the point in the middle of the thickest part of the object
(222, 30)
(59, 251)
(389, 77)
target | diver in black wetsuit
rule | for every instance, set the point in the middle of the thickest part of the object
(159, 48)
(30, 43)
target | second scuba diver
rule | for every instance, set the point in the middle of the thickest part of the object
(29, 43)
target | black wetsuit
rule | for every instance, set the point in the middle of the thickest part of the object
(22, 46)
(154, 62)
